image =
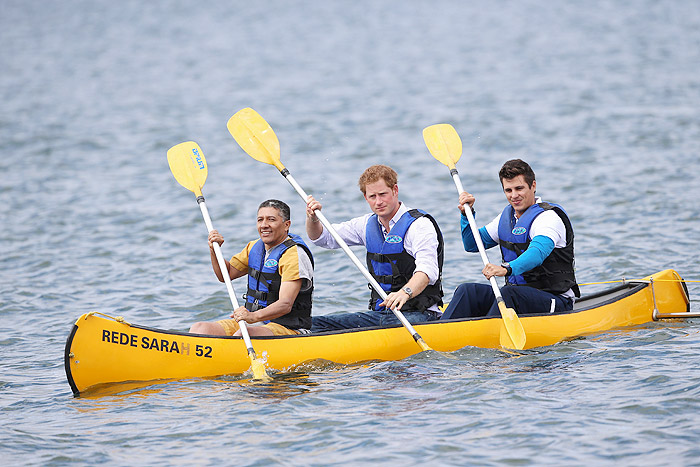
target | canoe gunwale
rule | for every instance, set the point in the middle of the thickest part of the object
(614, 294)
(630, 288)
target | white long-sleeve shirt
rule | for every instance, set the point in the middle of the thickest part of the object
(420, 241)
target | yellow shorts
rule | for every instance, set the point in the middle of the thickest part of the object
(231, 327)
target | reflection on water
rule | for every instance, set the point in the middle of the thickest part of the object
(599, 97)
(282, 386)
(122, 389)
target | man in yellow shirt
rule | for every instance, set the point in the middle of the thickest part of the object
(279, 266)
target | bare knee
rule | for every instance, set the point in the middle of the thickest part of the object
(205, 327)
(257, 331)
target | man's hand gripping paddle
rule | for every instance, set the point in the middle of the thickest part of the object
(189, 167)
(445, 145)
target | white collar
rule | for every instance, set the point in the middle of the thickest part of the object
(402, 210)
(538, 199)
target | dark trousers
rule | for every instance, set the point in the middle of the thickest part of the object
(368, 319)
(471, 300)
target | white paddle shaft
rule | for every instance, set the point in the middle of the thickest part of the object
(477, 236)
(346, 249)
(224, 273)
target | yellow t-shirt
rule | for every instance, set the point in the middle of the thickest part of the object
(288, 266)
(294, 264)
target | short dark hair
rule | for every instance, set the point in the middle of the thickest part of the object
(515, 167)
(281, 206)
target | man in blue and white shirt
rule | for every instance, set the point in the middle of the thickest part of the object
(536, 240)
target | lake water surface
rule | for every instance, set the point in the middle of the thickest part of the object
(601, 97)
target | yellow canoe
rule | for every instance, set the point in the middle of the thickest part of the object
(102, 350)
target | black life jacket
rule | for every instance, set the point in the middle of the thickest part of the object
(264, 281)
(392, 266)
(556, 273)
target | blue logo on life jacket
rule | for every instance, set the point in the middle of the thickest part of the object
(519, 230)
(393, 239)
(270, 263)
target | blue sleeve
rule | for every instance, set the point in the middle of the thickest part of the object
(540, 247)
(468, 237)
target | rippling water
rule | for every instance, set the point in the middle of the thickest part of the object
(601, 97)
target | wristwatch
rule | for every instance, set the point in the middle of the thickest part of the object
(408, 291)
(509, 270)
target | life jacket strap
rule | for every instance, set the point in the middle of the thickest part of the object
(257, 275)
(257, 294)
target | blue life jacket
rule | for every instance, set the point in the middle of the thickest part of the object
(264, 281)
(556, 273)
(392, 266)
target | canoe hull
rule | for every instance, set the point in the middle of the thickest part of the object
(103, 350)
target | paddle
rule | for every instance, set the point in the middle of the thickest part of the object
(444, 144)
(189, 167)
(256, 138)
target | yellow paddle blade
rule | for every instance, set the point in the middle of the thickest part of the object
(503, 337)
(514, 329)
(423, 345)
(188, 165)
(255, 136)
(444, 143)
(258, 367)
